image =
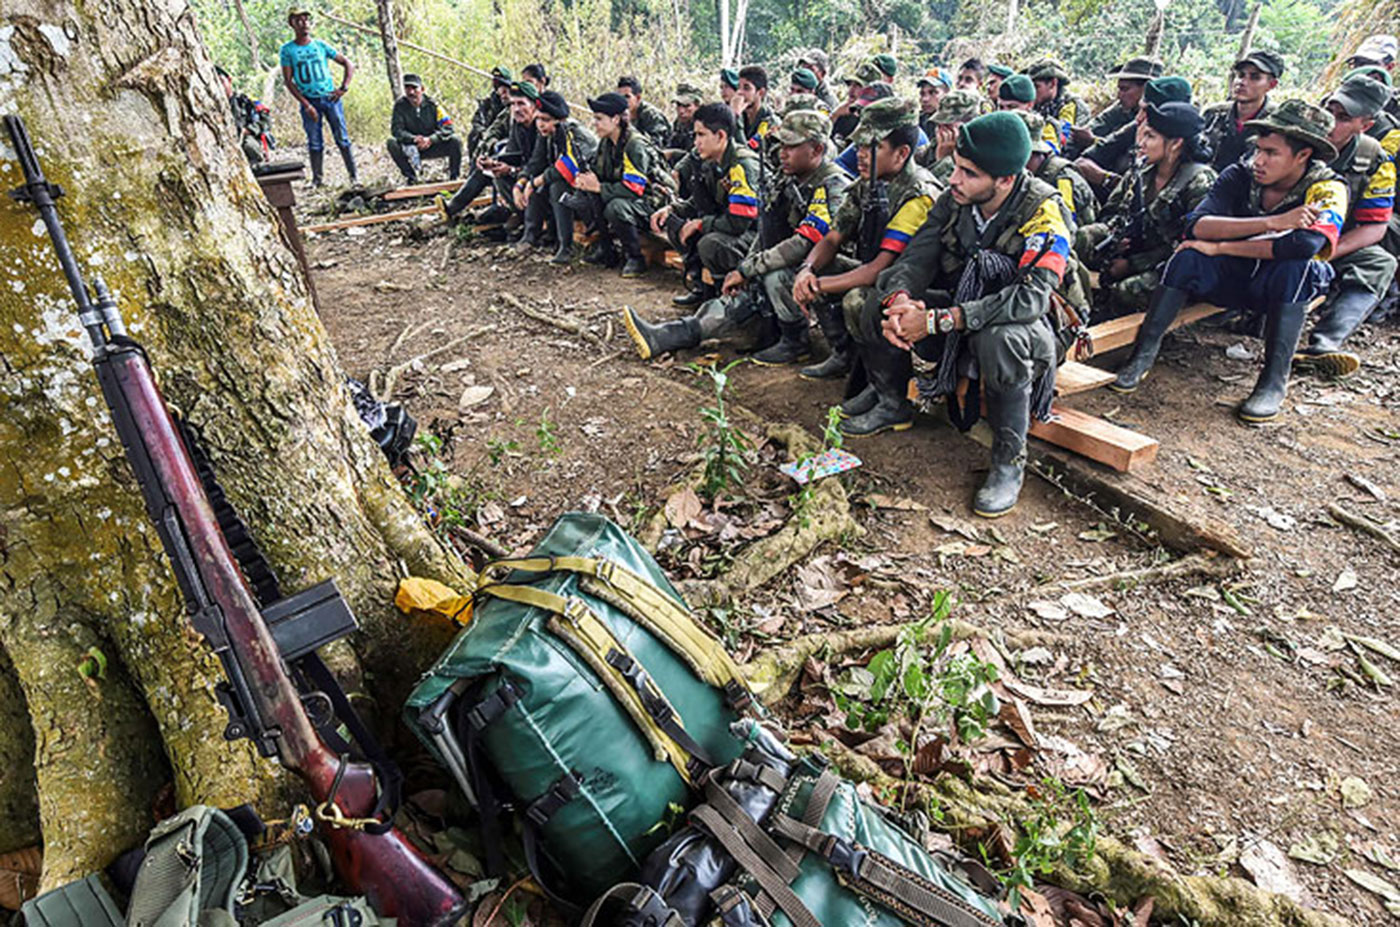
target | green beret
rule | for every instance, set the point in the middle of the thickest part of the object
(882, 117)
(867, 73)
(500, 75)
(998, 143)
(1017, 88)
(730, 78)
(1170, 89)
(526, 89)
(803, 77)
(887, 64)
(1000, 70)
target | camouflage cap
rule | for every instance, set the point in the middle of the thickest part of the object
(688, 93)
(804, 77)
(1047, 69)
(1035, 127)
(813, 58)
(1360, 96)
(1301, 120)
(1267, 61)
(881, 118)
(958, 106)
(868, 73)
(1378, 49)
(801, 101)
(804, 125)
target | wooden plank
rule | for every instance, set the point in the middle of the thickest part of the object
(1122, 331)
(373, 220)
(1074, 377)
(1099, 440)
(429, 189)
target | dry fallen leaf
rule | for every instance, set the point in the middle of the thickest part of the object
(898, 503)
(1271, 870)
(1086, 606)
(474, 396)
(682, 507)
(19, 876)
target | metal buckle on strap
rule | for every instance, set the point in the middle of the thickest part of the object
(605, 570)
(650, 906)
(575, 611)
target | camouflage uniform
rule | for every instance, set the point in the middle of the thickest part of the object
(1163, 224)
(652, 123)
(1225, 133)
(557, 161)
(487, 109)
(1074, 190)
(956, 107)
(725, 200)
(1066, 107)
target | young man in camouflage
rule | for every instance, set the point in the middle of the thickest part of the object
(1364, 268)
(488, 108)
(1258, 243)
(1377, 53)
(565, 150)
(642, 116)
(420, 131)
(888, 133)
(681, 140)
(1255, 75)
(932, 84)
(252, 119)
(1058, 172)
(756, 120)
(956, 109)
(797, 215)
(712, 229)
(973, 292)
(1132, 81)
(1054, 101)
(1132, 240)
(816, 61)
(1110, 158)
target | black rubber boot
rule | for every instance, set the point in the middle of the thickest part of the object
(1282, 327)
(634, 264)
(564, 231)
(603, 253)
(347, 154)
(699, 292)
(1009, 415)
(794, 344)
(318, 163)
(1324, 348)
(1166, 303)
(655, 340)
(860, 403)
(838, 362)
(888, 369)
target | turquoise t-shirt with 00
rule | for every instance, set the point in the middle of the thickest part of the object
(310, 64)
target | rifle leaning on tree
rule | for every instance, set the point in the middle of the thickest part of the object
(278, 692)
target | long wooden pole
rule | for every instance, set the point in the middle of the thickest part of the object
(391, 46)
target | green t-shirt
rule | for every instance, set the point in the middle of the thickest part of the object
(310, 64)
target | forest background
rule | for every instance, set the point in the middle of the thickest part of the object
(586, 44)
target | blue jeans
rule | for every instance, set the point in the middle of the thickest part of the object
(328, 111)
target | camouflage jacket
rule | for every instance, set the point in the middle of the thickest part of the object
(652, 123)
(636, 170)
(1110, 120)
(1369, 175)
(1033, 228)
(731, 185)
(807, 208)
(1067, 108)
(489, 107)
(1074, 189)
(1228, 140)
(911, 193)
(1165, 211)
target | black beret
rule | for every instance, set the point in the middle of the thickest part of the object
(553, 104)
(609, 104)
(1175, 119)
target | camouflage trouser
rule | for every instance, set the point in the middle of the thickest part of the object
(1133, 293)
(1008, 356)
(1370, 269)
(252, 149)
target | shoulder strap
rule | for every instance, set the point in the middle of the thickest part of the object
(84, 903)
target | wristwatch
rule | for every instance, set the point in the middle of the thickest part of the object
(940, 321)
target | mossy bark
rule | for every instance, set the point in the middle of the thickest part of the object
(122, 104)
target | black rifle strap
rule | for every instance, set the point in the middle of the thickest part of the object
(266, 590)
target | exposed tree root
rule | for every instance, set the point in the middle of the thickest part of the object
(19, 796)
(1120, 873)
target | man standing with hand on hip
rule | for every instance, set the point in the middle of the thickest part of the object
(307, 74)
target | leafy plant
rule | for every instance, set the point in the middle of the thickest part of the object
(547, 433)
(920, 680)
(1061, 827)
(724, 448)
(445, 498)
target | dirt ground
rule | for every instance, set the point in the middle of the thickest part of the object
(1232, 717)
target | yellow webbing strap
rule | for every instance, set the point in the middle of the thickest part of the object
(589, 637)
(650, 607)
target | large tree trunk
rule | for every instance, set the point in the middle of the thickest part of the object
(124, 110)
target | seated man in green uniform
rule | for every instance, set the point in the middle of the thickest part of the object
(1258, 243)
(627, 183)
(755, 118)
(503, 157)
(973, 293)
(681, 140)
(882, 211)
(712, 229)
(421, 131)
(564, 151)
(644, 117)
(1364, 268)
(795, 217)
(1227, 130)
(1132, 81)
(1108, 159)
(1054, 101)
(1145, 216)
(1046, 164)
(956, 109)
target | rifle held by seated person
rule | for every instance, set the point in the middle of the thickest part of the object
(875, 211)
(1127, 230)
(278, 693)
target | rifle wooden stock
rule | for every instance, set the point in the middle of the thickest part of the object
(385, 868)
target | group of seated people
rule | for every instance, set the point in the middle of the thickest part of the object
(965, 239)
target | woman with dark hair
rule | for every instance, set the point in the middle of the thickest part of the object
(622, 190)
(536, 74)
(1142, 222)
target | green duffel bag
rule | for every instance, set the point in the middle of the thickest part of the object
(786, 842)
(584, 698)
